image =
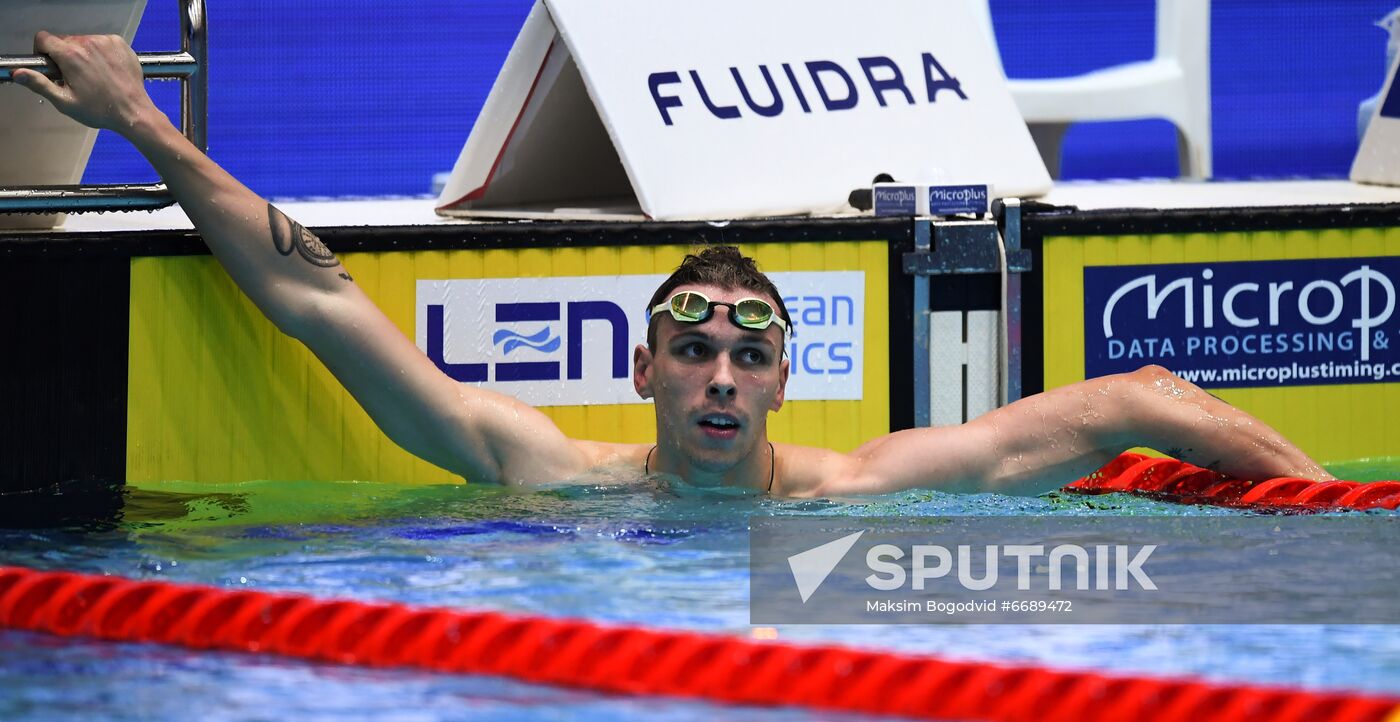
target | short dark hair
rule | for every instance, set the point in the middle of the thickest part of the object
(722, 266)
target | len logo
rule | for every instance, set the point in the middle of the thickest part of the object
(543, 340)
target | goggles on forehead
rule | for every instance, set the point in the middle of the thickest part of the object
(696, 307)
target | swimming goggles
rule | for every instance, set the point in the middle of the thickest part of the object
(696, 307)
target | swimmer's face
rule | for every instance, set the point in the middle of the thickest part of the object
(714, 383)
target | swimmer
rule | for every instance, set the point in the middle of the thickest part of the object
(713, 361)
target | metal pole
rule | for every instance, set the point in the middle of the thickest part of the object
(159, 66)
(190, 67)
(923, 400)
(1012, 303)
(194, 93)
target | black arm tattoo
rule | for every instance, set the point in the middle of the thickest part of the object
(287, 235)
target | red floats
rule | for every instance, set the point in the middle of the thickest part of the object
(1178, 481)
(642, 661)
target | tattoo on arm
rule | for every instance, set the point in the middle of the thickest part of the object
(288, 235)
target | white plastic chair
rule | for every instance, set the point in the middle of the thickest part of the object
(1174, 84)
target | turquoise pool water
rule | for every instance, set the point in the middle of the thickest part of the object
(650, 553)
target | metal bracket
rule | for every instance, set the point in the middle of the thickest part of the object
(964, 247)
(189, 66)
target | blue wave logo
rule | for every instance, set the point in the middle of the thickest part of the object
(540, 341)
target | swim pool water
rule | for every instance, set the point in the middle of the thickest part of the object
(655, 553)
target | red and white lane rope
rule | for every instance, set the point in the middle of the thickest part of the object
(639, 661)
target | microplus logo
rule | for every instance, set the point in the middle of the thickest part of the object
(1318, 312)
(946, 200)
(1331, 306)
(895, 200)
(899, 195)
(964, 194)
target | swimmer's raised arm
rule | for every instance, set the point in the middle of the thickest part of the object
(1049, 439)
(301, 286)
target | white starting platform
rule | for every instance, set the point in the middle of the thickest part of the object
(1144, 196)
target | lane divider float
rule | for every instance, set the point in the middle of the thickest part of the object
(1180, 482)
(638, 661)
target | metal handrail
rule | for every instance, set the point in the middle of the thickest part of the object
(190, 66)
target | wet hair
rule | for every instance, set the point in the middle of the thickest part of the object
(722, 266)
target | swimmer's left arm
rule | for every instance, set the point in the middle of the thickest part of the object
(1045, 441)
(301, 287)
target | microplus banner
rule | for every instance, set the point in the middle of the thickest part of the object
(568, 341)
(1247, 323)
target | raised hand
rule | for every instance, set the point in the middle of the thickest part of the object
(102, 84)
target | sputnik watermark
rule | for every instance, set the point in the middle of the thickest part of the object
(811, 567)
(888, 575)
(1232, 569)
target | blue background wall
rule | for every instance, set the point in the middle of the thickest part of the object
(361, 97)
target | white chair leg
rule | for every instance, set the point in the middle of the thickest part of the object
(1194, 148)
(1048, 138)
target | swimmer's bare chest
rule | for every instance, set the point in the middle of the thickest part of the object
(799, 471)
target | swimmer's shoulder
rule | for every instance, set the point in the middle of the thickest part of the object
(809, 471)
(584, 462)
(606, 456)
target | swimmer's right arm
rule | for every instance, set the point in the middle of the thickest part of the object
(301, 286)
(1044, 441)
